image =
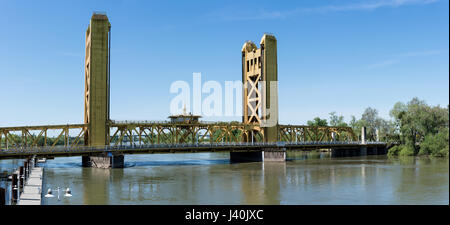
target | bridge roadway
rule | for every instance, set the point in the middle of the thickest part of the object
(65, 151)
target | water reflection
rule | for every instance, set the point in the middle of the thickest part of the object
(209, 178)
(416, 172)
(274, 177)
(95, 185)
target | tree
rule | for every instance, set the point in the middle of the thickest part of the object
(337, 121)
(435, 144)
(416, 121)
(417, 127)
(353, 122)
(317, 122)
(372, 122)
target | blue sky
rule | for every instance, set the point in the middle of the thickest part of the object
(333, 55)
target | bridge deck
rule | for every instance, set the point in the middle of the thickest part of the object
(62, 151)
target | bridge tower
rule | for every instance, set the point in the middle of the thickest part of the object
(260, 94)
(96, 93)
(260, 99)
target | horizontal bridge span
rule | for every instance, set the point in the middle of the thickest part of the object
(60, 151)
(166, 132)
(217, 132)
(45, 135)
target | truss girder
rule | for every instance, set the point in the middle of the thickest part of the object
(38, 136)
(167, 133)
(293, 133)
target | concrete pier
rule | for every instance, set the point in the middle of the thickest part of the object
(363, 151)
(376, 151)
(239, 157)
(274, 155)
(267, 155)
(105, 162)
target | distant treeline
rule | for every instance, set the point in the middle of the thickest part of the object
(14, 138)
(419, 128)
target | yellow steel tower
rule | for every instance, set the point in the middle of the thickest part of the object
(260, 77)
(96, 97)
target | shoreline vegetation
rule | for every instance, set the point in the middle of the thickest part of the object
(418, 128)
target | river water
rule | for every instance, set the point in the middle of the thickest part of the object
(209, 178)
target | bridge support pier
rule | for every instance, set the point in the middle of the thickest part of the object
(274, 155)
(363, 151)
(102, 161)
(266, 155)
(373, 151)
(239, 157)
(381, 151)
(377, 151)
(334, 152)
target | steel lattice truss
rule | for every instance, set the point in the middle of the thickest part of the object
(51, 135)
(137, 133)
(294, 133)
(178, 133)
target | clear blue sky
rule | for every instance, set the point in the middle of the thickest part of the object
(336, 55)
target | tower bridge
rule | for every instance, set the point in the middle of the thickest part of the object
(102, 142)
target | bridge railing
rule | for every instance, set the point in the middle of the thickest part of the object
(138, 122)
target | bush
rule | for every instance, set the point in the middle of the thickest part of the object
(435, 144)
(406, 151)
(401, 150)
(444, 152)
(393, 151)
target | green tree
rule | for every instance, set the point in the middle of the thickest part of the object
(373, 122)
(416, 119)
(317, 122)
(421, 127)
(337, 121)
(435, 144)
(353, 122)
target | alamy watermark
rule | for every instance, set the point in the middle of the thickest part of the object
(221, 101)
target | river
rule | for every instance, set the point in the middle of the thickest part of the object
(209, 178)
